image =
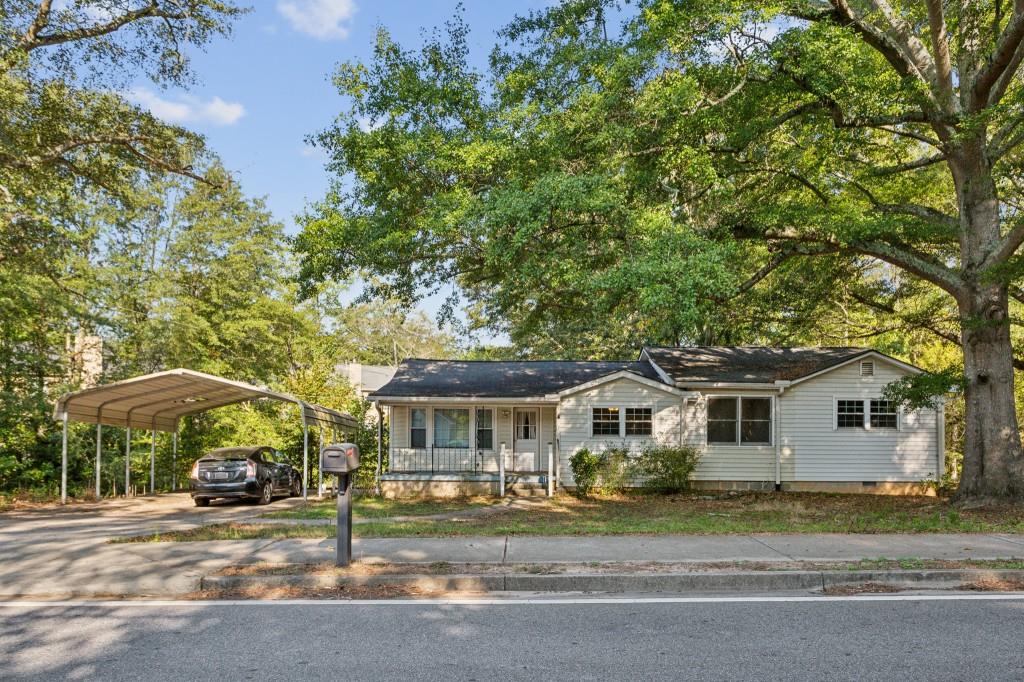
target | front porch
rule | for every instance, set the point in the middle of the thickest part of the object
(457, 448)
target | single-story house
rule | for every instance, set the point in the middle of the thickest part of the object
(764, 418)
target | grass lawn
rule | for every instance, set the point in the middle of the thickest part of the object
(696, 513)
(378, 507)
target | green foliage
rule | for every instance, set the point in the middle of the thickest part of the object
(667, 469)
(925, 390)
(586, 467)
(615, 472)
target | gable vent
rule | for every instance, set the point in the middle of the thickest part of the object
(867, 368)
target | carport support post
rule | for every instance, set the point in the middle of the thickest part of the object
(305, 455)
(152, 458)
(320, 472)
(174, 459)
(64, 458)
(99, 456)
(127, 459)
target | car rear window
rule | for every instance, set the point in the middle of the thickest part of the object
(231, 453)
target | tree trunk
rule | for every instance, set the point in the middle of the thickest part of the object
(993, 467)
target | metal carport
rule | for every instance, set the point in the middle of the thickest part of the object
(158, 401)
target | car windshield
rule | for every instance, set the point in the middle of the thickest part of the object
(230, 453)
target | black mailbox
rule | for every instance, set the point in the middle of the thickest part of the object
(339, 458)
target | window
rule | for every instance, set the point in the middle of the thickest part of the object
(638, 421)
(526, 424)
(484, 429)
(850, 414)
(605, 421)
(451, 428)
(417, 427)
(722, 413)
(743, 421)
(755, 421)
(883, 414)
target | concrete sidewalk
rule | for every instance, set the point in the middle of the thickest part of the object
(65, 552)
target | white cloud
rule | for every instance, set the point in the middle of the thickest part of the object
(322, 19)
(188, 109)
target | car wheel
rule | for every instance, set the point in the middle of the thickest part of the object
(201, 501)
(268, 493)
(296, 488)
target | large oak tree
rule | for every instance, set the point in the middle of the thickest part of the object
(655, 160)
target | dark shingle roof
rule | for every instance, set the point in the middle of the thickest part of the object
(747, 364)
(499, 379)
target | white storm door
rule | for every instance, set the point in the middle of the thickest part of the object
(527, 439)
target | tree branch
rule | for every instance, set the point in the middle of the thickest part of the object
(940, 45)
(33, 39)
(986, 88)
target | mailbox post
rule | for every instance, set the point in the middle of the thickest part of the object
(342, 460)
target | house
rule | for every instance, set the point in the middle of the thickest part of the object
(764, 418)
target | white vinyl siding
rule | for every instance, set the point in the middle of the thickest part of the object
(823, 452)
(731, 461)
(575, 415)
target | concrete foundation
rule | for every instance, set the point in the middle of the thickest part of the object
(468, 485)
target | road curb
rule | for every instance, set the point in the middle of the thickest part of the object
(721, 581)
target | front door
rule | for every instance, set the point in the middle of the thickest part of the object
(527, 440)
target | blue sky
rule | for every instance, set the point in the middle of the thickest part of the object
(262, 91)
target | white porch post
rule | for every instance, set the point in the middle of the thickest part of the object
(551, 469)
(501, 471)
(99, 456)
(64, 458)
(127, 459)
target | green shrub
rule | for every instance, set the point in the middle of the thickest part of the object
(616, 471)
(585, 466)
(667, 468)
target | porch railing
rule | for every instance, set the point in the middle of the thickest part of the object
(441, 460)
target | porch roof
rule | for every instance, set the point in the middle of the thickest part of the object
(510, 380)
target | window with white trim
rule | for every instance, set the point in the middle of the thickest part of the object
(737, 420)
(639, 421)
(484, 428)
(417, 427)
(849, 414)
(605, 421)
(451, 428)
(755, 421)
(883, 414)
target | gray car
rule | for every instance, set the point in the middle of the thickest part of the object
(256, 472)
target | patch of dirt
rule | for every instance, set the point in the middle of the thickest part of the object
(342, 592)
(642, 567)
(993, 585)
(863, 588)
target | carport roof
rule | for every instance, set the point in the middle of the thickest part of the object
(159, 400)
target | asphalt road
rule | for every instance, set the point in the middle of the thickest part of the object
(819, 640)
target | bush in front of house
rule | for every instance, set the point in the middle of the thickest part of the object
(585, 466)
(666, 468)
(616, 472)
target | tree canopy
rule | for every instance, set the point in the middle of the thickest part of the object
(620, 171)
